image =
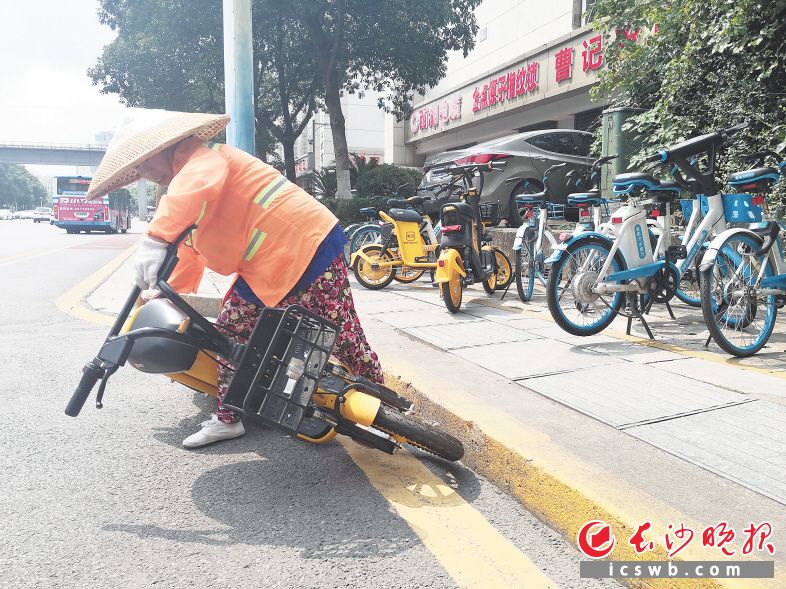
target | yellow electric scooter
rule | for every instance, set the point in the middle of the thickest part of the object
(283, 376)
(466, 256)
(408, 244)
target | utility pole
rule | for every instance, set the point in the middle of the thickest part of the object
(238, 74)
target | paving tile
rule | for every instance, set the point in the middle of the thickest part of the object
(727, 376)
(391, 304)
(633, 352)
(745, 443)
(628, 393)
(468, 334)
(424, 317)
(518, 322)
(556, 333)
(532, 358)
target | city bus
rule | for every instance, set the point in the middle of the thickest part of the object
(73, 213)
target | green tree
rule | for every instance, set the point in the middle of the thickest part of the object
(698, 65)
(19, 189)
(169, 54)
(399, 47)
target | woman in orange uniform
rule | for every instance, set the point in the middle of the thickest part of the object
(283, 245)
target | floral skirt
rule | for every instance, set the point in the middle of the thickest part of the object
(330, 297)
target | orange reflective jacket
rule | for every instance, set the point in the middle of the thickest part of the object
(251, 220)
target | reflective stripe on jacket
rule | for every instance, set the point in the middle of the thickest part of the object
(252, 220)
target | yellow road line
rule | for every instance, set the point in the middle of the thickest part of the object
(472, 551)
(70, 302)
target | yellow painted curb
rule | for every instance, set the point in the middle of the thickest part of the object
(71, 301)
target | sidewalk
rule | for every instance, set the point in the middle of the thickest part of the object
(610, 426)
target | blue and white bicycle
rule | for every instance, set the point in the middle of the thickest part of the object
(595, 273)
(743, 273)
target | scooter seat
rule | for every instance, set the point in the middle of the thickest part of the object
(529, 199)
(368, 211)
(406, 215)
(397, 203)
(592, 198)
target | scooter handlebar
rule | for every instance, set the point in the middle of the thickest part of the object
(91, 373)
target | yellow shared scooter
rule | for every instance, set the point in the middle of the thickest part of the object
(466, 256)
(408, 244)
(283, 376)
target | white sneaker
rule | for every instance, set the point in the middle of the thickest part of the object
(212, 431)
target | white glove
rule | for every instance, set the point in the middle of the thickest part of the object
(149, 257)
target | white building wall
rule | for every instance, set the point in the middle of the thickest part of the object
(506, 29)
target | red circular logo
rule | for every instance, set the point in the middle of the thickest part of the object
(595, 539)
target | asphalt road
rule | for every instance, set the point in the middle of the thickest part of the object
(111, 499)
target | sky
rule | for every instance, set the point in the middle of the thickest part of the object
(46, 47)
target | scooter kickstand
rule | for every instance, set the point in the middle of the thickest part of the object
(671, 313)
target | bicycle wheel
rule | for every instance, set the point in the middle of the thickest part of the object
(364, 235)
(371, 278)
(689, 290)
(525, 271)
(572, 304)
(739, 319)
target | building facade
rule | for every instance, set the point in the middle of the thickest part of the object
(532, 67)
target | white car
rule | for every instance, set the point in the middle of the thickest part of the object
(42, 214)
(6, 215)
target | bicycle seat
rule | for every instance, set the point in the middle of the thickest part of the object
(592, 198)
(406, 215)
(754, 176)
(529, 199)
(668, 186)
(368, 211)
(398, 203)
(415, 201)
(624, 183)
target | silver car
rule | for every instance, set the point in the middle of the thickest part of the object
(528, 155)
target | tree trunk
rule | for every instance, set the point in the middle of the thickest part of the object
(338, 129)
(289, 158)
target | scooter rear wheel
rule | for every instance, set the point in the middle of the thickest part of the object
(413, 432)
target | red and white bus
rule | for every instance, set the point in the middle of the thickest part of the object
(73, 213)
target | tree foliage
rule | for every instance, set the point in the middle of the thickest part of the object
(699, 65)
(385, 179)
(169, 54)
(398, 47)
(19, 189)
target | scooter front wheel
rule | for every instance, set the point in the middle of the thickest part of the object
(369, 277)
(411, 431)
(451, 293)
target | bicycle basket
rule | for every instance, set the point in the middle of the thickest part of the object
(281, 366)
(737, 208)
(490, 212)
(556, 211)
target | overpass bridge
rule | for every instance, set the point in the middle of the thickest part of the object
(63, 154)
(60, 154)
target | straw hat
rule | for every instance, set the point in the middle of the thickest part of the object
(142, 134)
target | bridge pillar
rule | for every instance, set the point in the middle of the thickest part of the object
(141, 196)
